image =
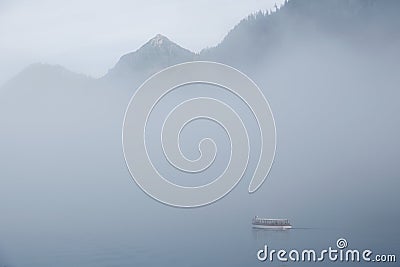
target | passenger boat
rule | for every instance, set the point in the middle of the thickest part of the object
(278, 224)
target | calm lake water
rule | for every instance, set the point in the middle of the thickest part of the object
(218, 235)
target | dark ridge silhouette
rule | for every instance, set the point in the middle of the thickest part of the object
(259, 35)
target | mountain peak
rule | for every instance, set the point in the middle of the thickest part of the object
(156, 54)
(159, 40)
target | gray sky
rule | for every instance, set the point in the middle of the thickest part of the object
(90, 36)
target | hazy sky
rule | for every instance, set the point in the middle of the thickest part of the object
(90, 36)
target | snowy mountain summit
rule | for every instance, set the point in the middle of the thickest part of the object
(159, 40)
(157, 53)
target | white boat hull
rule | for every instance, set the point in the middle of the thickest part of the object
(274, 227)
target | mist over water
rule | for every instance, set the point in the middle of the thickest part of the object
(67, 198)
